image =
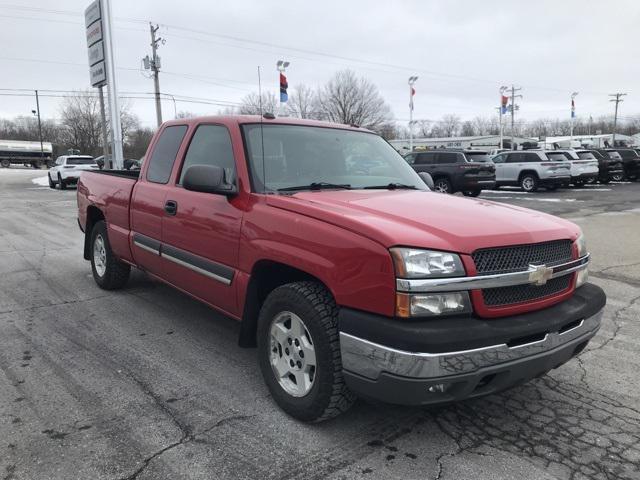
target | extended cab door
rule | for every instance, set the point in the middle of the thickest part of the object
(148, 199)
(200, 237)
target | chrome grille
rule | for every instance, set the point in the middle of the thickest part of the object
(517, 258)
(524, 293)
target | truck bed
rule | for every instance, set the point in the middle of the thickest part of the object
(120, 173)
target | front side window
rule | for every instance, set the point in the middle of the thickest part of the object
(210, 145)
(299, 155)
(499, 159)
(164, 153)
(515, 158)
(447, 158)
(410, 158)
(426, 158)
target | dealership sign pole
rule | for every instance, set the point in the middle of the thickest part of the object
(102, 71)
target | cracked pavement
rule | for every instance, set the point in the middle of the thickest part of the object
(145, 383)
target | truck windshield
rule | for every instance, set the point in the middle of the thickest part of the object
(80, 161)
(296, 156)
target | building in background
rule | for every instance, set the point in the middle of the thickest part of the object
(483, 142)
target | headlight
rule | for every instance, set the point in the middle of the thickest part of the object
(415, 263)
(432, 304)
(581, 244)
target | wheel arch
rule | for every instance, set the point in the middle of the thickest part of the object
(266, 276)
(524, 172)
(94, 215)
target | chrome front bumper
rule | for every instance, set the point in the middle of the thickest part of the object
(367, 359)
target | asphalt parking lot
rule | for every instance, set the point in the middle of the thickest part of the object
(146, 383)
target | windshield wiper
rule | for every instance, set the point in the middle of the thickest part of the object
(316, 186)
(391, 186)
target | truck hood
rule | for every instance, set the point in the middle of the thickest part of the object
(427, 219)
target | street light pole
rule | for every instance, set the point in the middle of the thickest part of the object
(39, 126)
(412, 81)
(573, 116)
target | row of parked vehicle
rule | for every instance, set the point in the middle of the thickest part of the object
(67, 168)
(471, 171)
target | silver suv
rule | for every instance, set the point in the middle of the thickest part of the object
(531, 169)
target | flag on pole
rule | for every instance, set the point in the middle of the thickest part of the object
(503, 105)
(413, 92)
(283, 88)
(573, 108)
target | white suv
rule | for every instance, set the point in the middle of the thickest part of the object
(68, 168)
(531, 169)
(582, 170)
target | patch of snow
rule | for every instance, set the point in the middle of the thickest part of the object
(42, 181)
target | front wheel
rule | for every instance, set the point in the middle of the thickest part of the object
(108, 272)
(51, 182)
(617, 177)
(5, 163)
(471, 193)
(442, 185)
(63, 186)
(529, 182)
(299, 352)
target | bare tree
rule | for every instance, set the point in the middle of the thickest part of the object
(468, 129)
(185, 114)
(353, 101)
(81, 123)
(250, 104)
(450, 125)
(302, 102)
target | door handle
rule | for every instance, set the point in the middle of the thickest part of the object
(171, 207)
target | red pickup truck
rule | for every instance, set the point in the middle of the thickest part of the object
(344, 269)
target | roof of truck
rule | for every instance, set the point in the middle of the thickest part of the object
(265, 119)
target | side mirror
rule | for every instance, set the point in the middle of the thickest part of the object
(427, 179)
(207, 179)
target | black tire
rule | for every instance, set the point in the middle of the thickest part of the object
(52, 184)
(442, 185)
(604, 181)
(617, 177)
(63, 185)
(578, 184)
(314, 305)
(529, 182)
(591, 180)
(471, 193)
(5, 163)
(116, 273)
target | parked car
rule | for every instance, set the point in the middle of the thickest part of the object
(530, 170)
(582, 170)
(631, 161)
(67, 169)
(496, 151)
(466, 171)
(609, 168)
(350, 282)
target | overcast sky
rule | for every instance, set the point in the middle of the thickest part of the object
(463, 51)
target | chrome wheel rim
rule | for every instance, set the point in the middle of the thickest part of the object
(527, 184)
(441, 187)
(617, 178)
(292, 355)
(99, 255)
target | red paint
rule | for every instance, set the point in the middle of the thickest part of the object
(340, 237)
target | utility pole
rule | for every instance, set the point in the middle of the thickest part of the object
(513, 112)
(412, 92)
(617, 99)
(39, 126)
(153, 63)
(590, 122)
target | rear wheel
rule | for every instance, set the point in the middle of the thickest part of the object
(591, 180)
(529, 182)
(299, 352)
(108, 272)
(471, 193)
(442, 185)
(63, 186)
(617, 177)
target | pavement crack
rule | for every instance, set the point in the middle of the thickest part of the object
(616, 319)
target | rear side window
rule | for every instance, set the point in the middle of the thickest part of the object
(586, 156)
(164, 154)
(531, 157)
(477, 157)
(516, 158)
(558, 157)
(210, 145)
(425, 158)
(446, 158)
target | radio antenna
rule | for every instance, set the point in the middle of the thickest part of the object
(264, 168)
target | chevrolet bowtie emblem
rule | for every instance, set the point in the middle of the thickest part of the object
(540, 274)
